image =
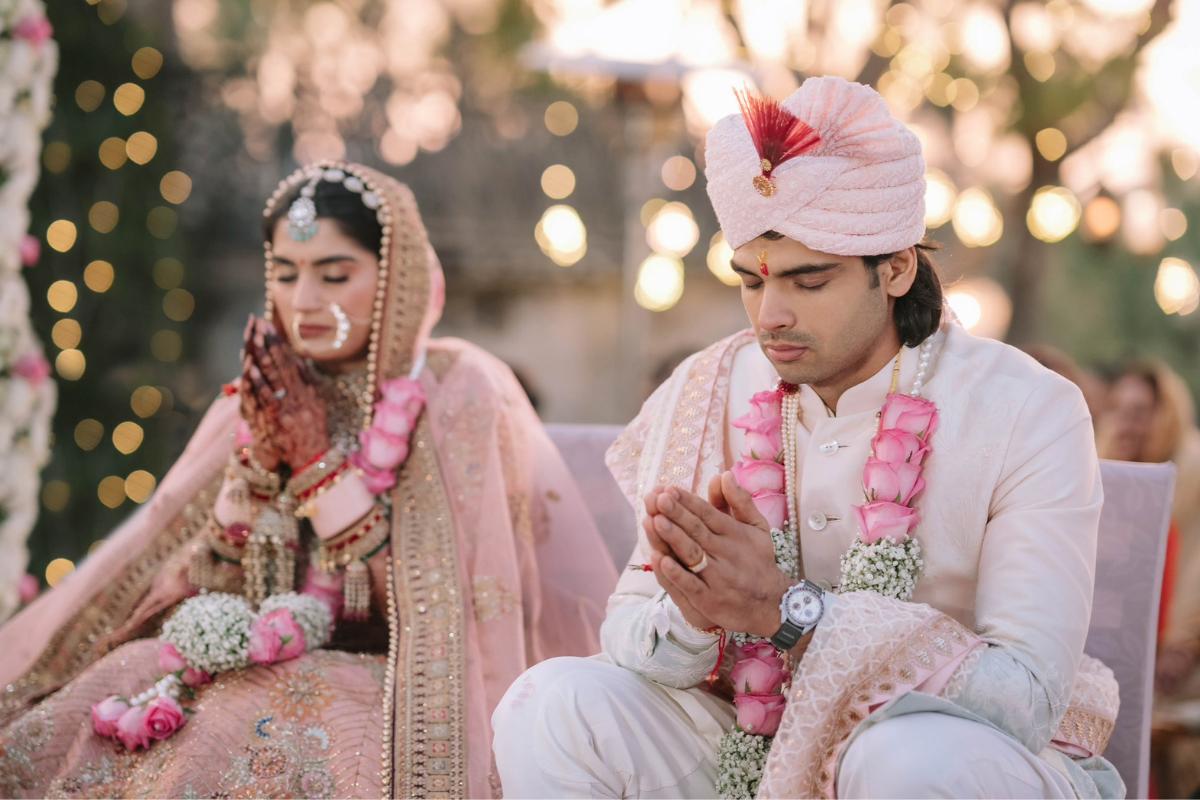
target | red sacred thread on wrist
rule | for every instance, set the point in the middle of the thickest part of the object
(716, 670)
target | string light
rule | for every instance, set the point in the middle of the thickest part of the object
(98, 276)
(178, 305)
(139, 485)
(558, 181)
(673, 230)
(168, 273)
(103, 216)
(112, 152)
(128, 98)
(146, 401)
(1176, 287)
(561, 118)
(56, 494)
(175, 187)
(66, 334)
(166, 345)
(940, 193)
(61, 235)
(89, 95)
(56, 157)
(146, 62)
(127, 437)
(162, 222)
(141, 147)
(678, 173)
(88, 434)
(70, 364)
(58, 569)
(718, 260)
(659, 283)
(561, 235)
(62, 296)
(1051, 143)
(1053, 214)
(111, 491)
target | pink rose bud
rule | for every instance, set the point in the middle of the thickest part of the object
(764, 437)
(898, 447)
(898, 483)
(885, 520)
(759, 714)
(759, 476)
(106, 713)
(33, 367)
(405, 393)
(30, 250)
(291, 635)
(169, 659)
(265, 643)
(195, 677)
(772, 505)
(767, 404)
(28, 588)
(163, 717)
(757, 676)
(131, 728)
(33, 29)
(377, 481)
(393, 418)
(909, 414)
(382, 450)
(763, 651)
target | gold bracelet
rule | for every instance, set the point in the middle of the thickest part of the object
(311, 478)
(245, 466)
(358, 541)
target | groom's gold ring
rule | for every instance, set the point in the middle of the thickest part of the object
(699, 566)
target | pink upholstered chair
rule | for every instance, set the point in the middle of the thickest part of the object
(1129, 565)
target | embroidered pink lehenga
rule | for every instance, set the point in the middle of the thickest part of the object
(493, 564)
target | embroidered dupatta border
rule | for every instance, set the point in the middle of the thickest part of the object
(76, 644)
(427, 706)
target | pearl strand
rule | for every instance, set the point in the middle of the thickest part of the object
(790, 408)
(167, 686)
(923, 360)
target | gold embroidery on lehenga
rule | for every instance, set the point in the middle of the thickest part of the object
(492, 598)
(300, 695)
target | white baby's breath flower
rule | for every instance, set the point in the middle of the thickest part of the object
(310, 614)
(211, 631)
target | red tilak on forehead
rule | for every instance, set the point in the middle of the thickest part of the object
(762, 262)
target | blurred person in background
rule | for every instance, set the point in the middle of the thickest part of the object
(359, 475)
(1151, 418)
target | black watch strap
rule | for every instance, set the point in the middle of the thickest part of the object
(786, 637)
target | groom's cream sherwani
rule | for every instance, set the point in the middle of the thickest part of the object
(1008, 528)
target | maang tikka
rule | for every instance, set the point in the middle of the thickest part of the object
(302, 214)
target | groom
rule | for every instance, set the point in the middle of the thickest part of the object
(965, 684)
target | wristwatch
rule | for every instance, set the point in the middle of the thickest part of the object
(800, 610)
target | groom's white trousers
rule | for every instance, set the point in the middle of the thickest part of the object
(583, 727)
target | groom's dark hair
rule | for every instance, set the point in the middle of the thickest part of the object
(918, 313)
(334, 201)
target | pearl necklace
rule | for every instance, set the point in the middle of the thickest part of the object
(790, 408)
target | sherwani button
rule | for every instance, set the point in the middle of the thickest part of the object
(818, 521)
(829, 448)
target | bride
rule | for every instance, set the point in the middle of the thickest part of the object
(403, 481)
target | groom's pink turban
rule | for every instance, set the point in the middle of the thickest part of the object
(829, 167)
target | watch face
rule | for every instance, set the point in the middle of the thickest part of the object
(803, 607)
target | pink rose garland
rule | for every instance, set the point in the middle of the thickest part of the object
(892, 476)
(384, 446)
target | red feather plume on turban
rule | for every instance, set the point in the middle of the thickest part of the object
(778, 135)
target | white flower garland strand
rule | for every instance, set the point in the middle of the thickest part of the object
(741, 757)
(28, 62)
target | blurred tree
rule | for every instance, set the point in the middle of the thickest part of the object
(108, 298)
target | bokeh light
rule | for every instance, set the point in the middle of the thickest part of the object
(659, 282)
(977, 221)
(561, 118)
(558, 181)
(162, 222)
(168, 273)
(103, 216)
(178, 305)
(146, 62)
(111, 491)
(141, 147)
(561, 235)
(166, 346)
(146, 401)
(175, 187)
(66, 334)
(1173, 223)
(1101, 218)
(56, 494)
(940, 194)
(982, 305)
(139, 485)
(1053, 214)
(88, 434)
(1051, 143)
(127, 437)
(673, 230)
(1176, 287)
(56, 157)
(89, 95)
(98, 276)
(718, 260)
(678, 173)
(62, 296)
(58, 569)
(128, 99)
(112, 152)
(70, 365)
(61, 235)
